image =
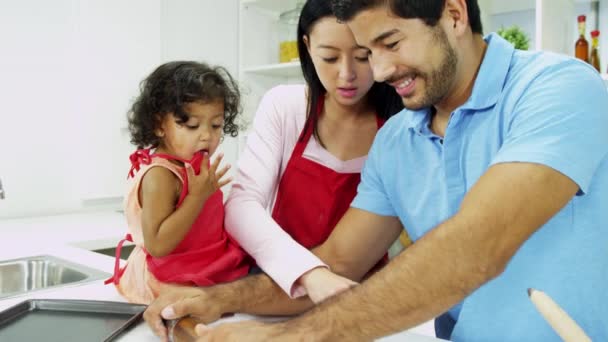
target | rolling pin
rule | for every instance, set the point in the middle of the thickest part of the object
(182, 329)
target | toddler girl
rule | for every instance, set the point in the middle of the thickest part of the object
(174, 205)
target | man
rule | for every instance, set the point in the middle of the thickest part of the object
(497, 169)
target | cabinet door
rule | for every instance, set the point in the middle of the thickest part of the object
(554, 26)
(259, 67)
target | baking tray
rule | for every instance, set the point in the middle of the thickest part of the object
(60, 320)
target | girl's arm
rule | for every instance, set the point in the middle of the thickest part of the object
(164, 226)
(247, 218)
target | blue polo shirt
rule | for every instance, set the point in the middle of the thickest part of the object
(533, 107)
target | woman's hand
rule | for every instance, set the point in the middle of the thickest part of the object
(320, 284)
(179, 301)
(209, 180)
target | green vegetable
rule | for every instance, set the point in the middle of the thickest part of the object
(516, 36)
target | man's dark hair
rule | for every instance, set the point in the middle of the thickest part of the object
(427, 10)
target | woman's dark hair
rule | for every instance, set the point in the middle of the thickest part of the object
(172, 86)
(383, 97)
(428, 10)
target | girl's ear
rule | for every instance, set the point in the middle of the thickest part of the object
(159, 131)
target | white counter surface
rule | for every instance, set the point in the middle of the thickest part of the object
(71, 237)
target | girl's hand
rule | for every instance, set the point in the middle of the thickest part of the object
(209, 180)
(321, 283)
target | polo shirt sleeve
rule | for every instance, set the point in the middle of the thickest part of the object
(561, 121)
(371, 193)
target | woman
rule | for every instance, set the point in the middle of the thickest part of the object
(302, 164)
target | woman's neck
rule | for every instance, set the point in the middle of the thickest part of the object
(346, 132)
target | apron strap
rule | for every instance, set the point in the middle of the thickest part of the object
(380, 121)
(139, 158)
(115, 278)
(143, 157)
(195, 162)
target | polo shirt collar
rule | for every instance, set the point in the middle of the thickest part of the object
(488, 85)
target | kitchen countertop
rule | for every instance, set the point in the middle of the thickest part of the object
(88, 230)
(72, 236)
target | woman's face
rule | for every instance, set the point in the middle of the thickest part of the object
(341, 64)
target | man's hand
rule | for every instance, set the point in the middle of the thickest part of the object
(179, 301)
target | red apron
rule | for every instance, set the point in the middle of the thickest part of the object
(312, 198)
(207, 255)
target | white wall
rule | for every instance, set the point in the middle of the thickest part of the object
(118, 46)
(70, 69)
(35, 61)
(200, 30)
(203, 30)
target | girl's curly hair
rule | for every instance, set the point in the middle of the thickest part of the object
(173, 85)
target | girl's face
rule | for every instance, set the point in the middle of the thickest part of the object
(201, 133)
(341, 64)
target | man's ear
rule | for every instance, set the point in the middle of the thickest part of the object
(457, 15)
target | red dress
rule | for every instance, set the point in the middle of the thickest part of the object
(206, 256)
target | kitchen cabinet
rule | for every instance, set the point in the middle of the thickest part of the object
(550, 24)
(259, 67)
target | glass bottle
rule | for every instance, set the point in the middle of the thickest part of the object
(582, 46)
(288, 28)
(594, 58)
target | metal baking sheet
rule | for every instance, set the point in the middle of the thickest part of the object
(55, 320)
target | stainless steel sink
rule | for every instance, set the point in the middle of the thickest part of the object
(20, 276)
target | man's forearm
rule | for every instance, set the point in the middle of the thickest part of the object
(265, 297)
(259, 295)
(454, 258)
(424, 281)
(346, 251)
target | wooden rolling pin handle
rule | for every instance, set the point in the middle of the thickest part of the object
(182, 330)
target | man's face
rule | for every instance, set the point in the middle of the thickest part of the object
(416, 59)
